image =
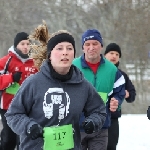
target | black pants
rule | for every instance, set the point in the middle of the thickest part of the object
(113, 134)
(8, 137)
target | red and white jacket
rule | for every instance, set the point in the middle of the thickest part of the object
(16, 63)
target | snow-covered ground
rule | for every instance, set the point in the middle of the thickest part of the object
(134, 132)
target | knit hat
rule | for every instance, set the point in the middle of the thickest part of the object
(92, 34)
(113, 47)
(62, 37)
(19, 37)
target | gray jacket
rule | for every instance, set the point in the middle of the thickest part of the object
(46, 101)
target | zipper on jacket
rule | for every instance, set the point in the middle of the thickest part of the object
(95, 80)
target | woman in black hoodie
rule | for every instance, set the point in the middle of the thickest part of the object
(113, 54)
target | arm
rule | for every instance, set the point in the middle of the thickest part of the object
(117, 96)
(17, 114)
(129, 87)
(94, 109)
(118, 92)
(5, 79)
(148, 112)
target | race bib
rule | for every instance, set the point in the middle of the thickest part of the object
(58, 138)
(103, 96)
(13, 88)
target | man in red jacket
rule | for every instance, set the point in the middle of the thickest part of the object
(19, 67)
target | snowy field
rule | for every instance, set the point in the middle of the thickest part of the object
(134, 132)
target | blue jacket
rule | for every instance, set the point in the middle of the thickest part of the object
(132, 94)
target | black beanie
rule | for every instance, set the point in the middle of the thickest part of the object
(113, 47)
(62, 37)
(19, 37)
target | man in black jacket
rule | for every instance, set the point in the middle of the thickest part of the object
(113, 54)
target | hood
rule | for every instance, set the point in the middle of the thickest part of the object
(77, 76)
(13, 52)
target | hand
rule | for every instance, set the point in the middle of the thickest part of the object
(35, 132)
(148, 112)
(88, 127)
(16, 76)
(127, 94)
(113, 104)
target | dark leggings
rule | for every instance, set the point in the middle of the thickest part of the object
(8, 137)
(113, 134)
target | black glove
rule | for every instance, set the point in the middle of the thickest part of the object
(148, 112)
(17, 76)
(35, 132)
(88, 127)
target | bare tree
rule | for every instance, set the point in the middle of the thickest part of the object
(125, 22)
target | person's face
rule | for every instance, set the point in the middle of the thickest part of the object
(92, 50)
(62, 56)
(24, 46)
(112, 56)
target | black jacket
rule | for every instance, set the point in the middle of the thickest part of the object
(132, 93)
